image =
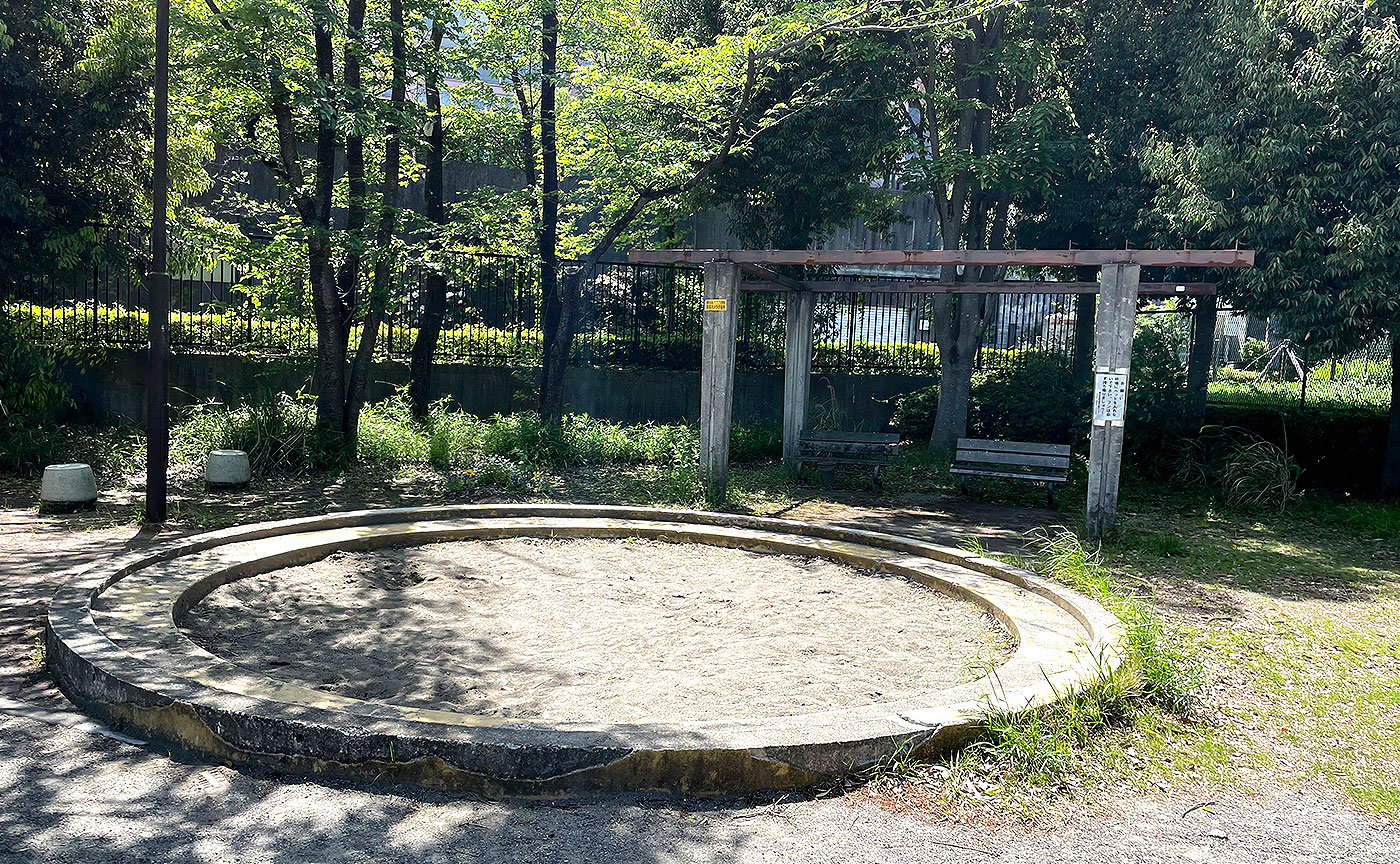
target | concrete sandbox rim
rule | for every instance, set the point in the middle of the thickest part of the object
(202, 703)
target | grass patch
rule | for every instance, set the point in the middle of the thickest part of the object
(1090, 738)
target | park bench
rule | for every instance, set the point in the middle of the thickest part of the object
(1014, 460)
(826, 450)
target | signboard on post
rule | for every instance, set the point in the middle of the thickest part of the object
(1110, 397)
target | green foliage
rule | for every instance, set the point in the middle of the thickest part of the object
(1251, 471)
(73, 100)
(1157, 384)
(34, 403)
(1288, 141)
(1033, 398)
(1252, 352)
(1158, 668)
(517, 453)
(1336, 449)
(1029, 396)
(277, 432)
(914, 413)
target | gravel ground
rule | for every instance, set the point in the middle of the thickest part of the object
(74, 796)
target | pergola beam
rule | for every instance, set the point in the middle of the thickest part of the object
(1015, 286)
(937, 257)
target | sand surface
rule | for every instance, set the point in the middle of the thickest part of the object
(597, 630)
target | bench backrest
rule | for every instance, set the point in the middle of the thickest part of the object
(852, 437)
(1013, 455)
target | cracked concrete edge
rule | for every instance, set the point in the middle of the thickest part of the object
(322, 742)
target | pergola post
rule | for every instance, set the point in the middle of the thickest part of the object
(1113, 354)
(797, 372)
(717, 354)
(1199, 359)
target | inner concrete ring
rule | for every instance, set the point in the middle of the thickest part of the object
(114, 646)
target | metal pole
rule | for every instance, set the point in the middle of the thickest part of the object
(158, 289)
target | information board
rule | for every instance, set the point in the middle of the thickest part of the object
(1110, 397)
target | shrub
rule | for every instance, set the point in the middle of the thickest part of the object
(756, 442)
(1251, 351)
(1033, 398)
(31, 398)
(278, 433)
(914, 413)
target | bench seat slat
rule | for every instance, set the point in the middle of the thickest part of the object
(1027, 459)
(846, 460)
(1013, 475)
(1013, 447)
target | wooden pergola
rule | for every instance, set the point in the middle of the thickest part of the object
(1119, 287)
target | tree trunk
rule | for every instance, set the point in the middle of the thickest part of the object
(420, 367)
(353, 86)
(957, 353)
(560, 345)
(331, 330)
(555, 313)
(1390, 474)
(385, 261)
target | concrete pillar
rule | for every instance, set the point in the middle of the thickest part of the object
(717, 355)
(797, 372)
(1113, 353)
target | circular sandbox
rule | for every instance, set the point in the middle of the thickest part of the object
(617, 631)
(744, 654)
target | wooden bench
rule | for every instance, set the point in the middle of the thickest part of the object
(828, 449)
(1015, 460)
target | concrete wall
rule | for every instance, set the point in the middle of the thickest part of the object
(114, 389)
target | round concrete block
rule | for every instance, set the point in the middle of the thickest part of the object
(227, 468)
(71, 483)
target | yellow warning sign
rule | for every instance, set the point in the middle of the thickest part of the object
(716, 305)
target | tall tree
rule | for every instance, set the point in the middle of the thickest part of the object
(643, 120)
(74, 110)
(1289, 142)
(266, 75)
(986, 119)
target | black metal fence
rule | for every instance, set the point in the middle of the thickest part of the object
(649, 316)
(630, 315)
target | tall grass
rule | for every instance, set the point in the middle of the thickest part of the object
(1158, 669)
(1020, 751)
(513, 451)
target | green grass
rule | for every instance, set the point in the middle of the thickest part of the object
(1295, 614)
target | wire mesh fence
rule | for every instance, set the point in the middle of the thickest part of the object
(649, 316)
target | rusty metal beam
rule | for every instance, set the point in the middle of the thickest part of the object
(971, 257)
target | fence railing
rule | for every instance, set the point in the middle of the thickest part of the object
(644, 316)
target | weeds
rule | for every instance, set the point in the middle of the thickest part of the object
(1022, 751)
(1251, 472)
(518, 453)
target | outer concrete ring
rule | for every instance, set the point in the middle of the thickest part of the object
(114, 647)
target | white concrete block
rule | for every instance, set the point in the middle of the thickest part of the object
(70, 483)
(227, 468)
